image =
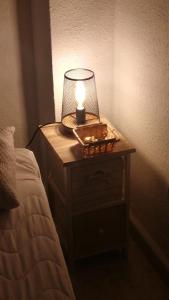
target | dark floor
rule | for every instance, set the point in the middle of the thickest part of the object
(113, 277)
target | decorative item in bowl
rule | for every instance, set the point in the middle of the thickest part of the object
(95, 139)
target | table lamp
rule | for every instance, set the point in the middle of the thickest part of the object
(80, 104)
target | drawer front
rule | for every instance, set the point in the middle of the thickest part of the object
(99, 231)
(96, 179)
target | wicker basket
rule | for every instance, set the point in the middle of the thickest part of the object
(95, 139)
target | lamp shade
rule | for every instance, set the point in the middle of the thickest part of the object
(80, 104)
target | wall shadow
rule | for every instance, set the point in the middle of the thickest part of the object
(35, 55)
(150, 199)
(27, 63)
(36, 64)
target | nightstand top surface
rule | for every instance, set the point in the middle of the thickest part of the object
(67, 148)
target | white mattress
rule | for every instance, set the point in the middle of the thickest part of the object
(31, 261)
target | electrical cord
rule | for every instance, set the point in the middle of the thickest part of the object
(36, 131)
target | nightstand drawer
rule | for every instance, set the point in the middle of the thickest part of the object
(100, 230)
(95, 178)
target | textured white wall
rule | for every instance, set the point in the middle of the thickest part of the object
(126, 43)
(12, 110)
(141, 106)
(141, 69)
(82, 37)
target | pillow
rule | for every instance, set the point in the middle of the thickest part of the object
(8, 197)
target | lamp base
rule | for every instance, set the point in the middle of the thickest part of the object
(69, 121)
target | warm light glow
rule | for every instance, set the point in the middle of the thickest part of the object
(80, 95)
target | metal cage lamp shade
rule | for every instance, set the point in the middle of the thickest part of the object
(80, 104)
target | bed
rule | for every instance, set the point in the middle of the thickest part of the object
(32, 265)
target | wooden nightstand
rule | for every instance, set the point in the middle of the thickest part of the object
(89, 198)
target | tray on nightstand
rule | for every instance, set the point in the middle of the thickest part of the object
(95, 139)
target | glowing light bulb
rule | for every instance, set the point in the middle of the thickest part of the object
(80, 94)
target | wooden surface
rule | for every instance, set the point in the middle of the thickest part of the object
(89, 197)
(68, 149)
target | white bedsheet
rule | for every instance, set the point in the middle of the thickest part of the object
(31, 261)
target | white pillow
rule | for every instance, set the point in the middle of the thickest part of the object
(8, 197)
